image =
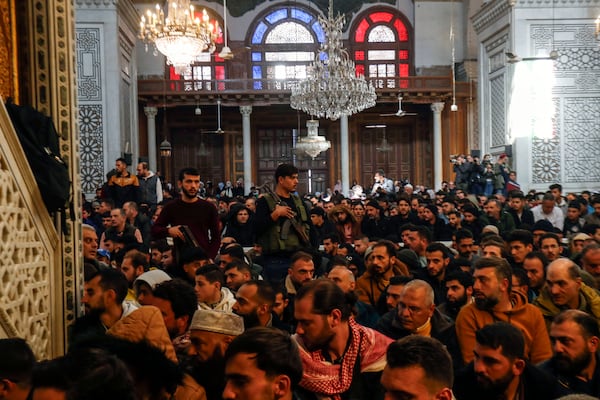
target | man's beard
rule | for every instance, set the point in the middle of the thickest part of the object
(250, 320)
(455, 305)
(486, 303)
(188, 194)
(569, 367)
(494, 389)
(320, 343)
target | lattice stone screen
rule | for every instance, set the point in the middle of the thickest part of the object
(28, 244)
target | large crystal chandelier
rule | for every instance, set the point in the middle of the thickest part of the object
(178, 35)
(312, 144)
(332, 87)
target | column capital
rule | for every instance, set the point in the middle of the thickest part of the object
(150, 112)
(437, 107)
(245, 110)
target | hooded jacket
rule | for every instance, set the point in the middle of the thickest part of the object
(224, 304)
(589, 302)
(527, 317)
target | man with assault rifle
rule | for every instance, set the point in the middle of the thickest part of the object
(282, 223)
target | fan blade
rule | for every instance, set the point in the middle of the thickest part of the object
(389, 115)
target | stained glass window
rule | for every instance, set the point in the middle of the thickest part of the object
(284, 43)
(380, 40)
(381, 33)
(289, 32)
(289, 56)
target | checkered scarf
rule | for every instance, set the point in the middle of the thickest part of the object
(330, 381)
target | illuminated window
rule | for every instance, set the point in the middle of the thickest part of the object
(381, 48)
(284, 43)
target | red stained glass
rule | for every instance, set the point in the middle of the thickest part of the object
(403, 84)
(403, 54)
(359, 55)
(381, 17)
(217, 58)
(403, 70)
(401, 29)
(360, 69)
(361, 31)
(219, 72)
(172, 75)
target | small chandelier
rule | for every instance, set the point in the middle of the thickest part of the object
(179, 36)
(312, 144)
(332, 87)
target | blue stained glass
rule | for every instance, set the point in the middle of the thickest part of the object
(276, 16)
(257, 85)
(257, 72)
(323, 56)
(301, 15)
(319, 31)
(257, 38)
(256, 56)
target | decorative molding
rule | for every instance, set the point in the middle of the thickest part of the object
(556, 3)
(89, 63)
(581, 139)
(52, 71)
(91, 144)
(489, 13)
(107, 4)
(498, 110)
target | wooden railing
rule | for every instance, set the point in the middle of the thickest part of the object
(190, 90)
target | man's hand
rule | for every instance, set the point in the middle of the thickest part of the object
(175, 232)
(282, 211)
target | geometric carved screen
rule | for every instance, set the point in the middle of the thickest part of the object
(576, 132)
(89, 47)
(28, 244)
(498, 110)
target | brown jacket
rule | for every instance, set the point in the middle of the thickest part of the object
(523, 315)
(147, 323)
(369, 286)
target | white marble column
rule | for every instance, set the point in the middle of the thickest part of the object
(345, 155)
(437, 109)
(151, 118)
(246, 111)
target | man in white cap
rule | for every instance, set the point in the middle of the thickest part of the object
(146, 283)
(210, 334)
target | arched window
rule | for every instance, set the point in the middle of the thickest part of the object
(284, 42)
(382, 47)
(206, 67)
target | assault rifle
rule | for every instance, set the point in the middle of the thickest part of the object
(190, 239)
(298, 228)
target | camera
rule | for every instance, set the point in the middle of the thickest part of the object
(453, 158)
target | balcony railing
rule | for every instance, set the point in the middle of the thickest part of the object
(188, 91)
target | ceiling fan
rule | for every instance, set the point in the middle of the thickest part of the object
(512, 58)
(218, 131)
(400, 112)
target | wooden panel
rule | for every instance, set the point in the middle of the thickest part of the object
(275, 146)
(186, 153)
(399, 163)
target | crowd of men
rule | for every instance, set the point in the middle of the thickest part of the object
(401, 295)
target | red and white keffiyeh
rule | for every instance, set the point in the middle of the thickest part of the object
(331, 380)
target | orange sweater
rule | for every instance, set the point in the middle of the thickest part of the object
(523, 315)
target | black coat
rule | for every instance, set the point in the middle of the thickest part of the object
(442, 329)
(536, 384)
